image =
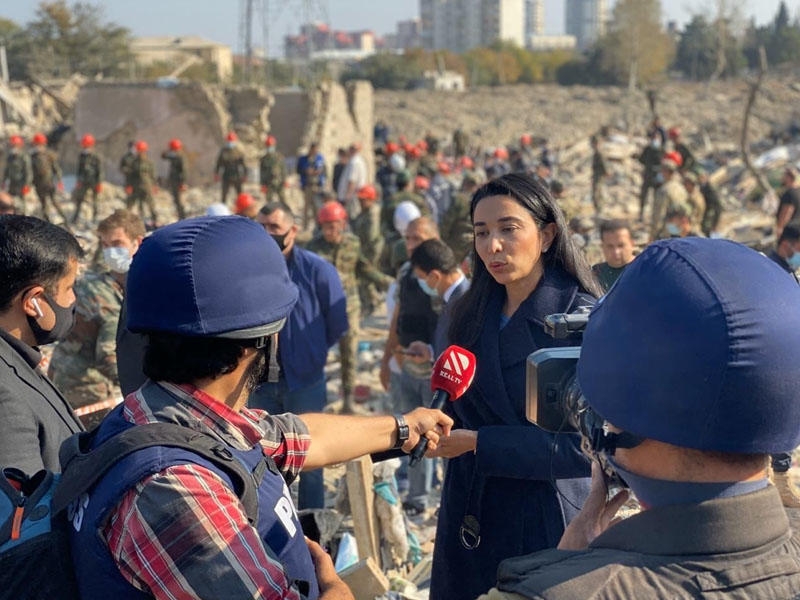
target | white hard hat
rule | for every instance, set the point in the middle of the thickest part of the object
(218, 210)
(405, 212)
(396, 162)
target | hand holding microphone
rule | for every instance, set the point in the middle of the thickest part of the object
(452, 375)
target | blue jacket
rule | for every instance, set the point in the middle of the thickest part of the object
(96, 571)
(523, 484)
(317, 162)
(317, 321)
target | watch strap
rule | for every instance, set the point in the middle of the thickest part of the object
(402, 430)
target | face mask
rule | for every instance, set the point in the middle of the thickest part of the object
(230, 144)
(673, 229)
(65, 317)
(655, 143)
(426, 288)
(270, 149)
(280, 239)
(117, 259)
(794, 260)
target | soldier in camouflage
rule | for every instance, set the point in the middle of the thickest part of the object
(89, 179)
(143, 181)
(343, 250)
(17, 174)
(456, 226)
(230, 167)
(126, 165)
(84, 364)
(176, 178)
(405, 192)
(46, 175)
(272, 171)
(367, 227)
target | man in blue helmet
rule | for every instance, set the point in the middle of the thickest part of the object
(163, 524)
(690, 380)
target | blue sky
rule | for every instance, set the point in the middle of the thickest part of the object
(218, 19)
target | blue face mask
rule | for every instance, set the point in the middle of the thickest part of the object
(794, 260)
(426, 288)
(673, 229)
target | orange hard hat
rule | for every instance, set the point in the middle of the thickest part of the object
(231, 137)
(501, 153)
(243, 202)
(467, 162)
(674, 133)
(175, 144)
(39, 139)
(141, 146)
(525, 139)
(270, 141)
(16, 141)
(368, 192)
(87, 141)
(390, 148)
(331, 211)
(421, 182)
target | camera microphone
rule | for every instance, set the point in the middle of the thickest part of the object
(452, 375)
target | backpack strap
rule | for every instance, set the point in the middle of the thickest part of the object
(83, 468)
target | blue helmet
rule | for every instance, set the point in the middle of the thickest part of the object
(698, 345)
(210, 276)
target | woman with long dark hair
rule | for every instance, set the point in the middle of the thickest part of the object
(510, 486)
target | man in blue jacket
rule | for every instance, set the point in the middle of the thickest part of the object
(297, 382)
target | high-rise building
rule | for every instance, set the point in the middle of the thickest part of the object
(459, 25)
(586, 20)
(534, 18)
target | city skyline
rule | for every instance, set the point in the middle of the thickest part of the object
(218, 21)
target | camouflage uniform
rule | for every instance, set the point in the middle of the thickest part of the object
(456, 226)
(90, 175)
(231, 170)
(46, 173)
(84, 364)
(176, 178)
(126, 167)
(460, 141)
(389, 206)
(17, 173)
(367, 227)
(349, 261)
(272, 174)
(670, 196)
(142, 181)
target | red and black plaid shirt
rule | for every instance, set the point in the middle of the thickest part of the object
(183, 533)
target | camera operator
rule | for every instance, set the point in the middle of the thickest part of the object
(509, 485)
(690, 381)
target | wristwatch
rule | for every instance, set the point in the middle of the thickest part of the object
(402, 431)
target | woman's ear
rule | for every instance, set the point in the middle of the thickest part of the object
(548, 234)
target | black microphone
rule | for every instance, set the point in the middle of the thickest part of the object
(452, 375)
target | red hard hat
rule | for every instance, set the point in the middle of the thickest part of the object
(231, 137)
(525, 139)
(467, 162)
(368, 192)
(674, 133)
(243, 202)
(422, 145)
(331, 211)
(270, 141)
(39, 139)
(421, 182)
(415, 152)
(87, 141)
(141, 146)
(443, 167)
(390, 148)
(501, 153)
(16, 141)
(408, 148)
(175, 144)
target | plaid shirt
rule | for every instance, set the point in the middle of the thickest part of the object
(183, 533)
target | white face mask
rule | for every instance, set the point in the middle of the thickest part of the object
(117, 259)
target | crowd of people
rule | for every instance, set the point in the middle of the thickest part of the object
(223, 324)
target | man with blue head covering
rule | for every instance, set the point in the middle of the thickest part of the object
(690, 378)
(165, 523)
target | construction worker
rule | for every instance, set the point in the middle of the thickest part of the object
(343, 250)
(18, 170)
(46, 175)
(246, 206)
(176, 178)
(272, 171)
(90, 177)
(689, 161)
(230, 167)
(143, 183)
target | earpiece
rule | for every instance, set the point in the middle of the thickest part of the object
(37, 308)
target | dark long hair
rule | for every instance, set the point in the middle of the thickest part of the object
(469, 312)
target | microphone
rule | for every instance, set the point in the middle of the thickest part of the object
(452, 375)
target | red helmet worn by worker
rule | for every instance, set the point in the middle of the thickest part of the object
(39, 139)
(87, 141)
(231, 137)
(443, 167)
(331, 211)
(141, 146)
(674, 133)
(421, 183)
(525, 139)
(467, 162)
(270, 141)
(501, 153)
(175, 144)
(16, 141)
(243, 202)
(390, 148)
(367, 192)
(422, 145)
